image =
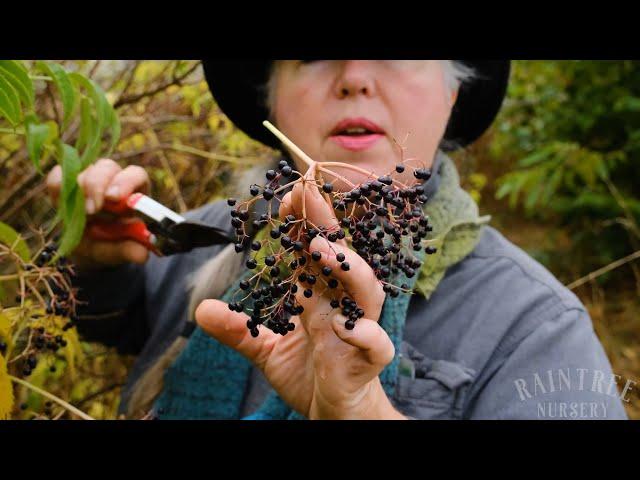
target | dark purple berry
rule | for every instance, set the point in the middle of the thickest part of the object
(345, 266)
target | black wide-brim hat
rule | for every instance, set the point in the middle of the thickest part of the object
(239, 88)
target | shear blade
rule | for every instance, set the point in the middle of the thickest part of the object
(191, 234)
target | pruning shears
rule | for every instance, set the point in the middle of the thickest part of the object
(159, 229)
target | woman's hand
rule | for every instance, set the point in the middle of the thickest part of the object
(321, 369)
(104, 180)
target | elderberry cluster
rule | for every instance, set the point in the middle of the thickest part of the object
(381, 219)
(59, 300)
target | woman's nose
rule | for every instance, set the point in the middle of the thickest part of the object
(355, 78)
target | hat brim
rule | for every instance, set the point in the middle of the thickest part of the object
(239, 88)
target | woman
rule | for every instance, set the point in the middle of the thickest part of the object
(490, 333)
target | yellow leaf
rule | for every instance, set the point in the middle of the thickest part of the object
(5, 327)
(73, 352)
(6, 391)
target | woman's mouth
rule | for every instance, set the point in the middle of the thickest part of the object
(356, 134)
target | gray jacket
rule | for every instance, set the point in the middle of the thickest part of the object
(500, 338)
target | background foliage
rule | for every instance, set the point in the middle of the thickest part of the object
(556, 172)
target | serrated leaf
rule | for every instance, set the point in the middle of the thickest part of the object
(100, 102)
(65, 88)
(536, 157)
(71, 167)
(12, 239)
(76, 220)
(503, 190)
(533, 196)
(86, 124)
(105, 117)
(9, 102)
(71, 200)
(17, 75)
(37, 135)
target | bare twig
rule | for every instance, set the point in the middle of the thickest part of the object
(176, 80)
(94, 68)
(13, 197)
(601, 271)
(102, 391)
(129, 81)
(52, 397)
(185, 149)
(167, 166)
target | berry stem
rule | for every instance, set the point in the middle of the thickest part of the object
(52, 397)
(297, 150)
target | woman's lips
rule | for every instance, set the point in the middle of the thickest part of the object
(357, 143)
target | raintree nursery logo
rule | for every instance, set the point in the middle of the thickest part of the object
(591, 389)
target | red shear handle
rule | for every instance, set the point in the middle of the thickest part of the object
(115, 231)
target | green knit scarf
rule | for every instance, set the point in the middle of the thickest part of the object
(208, 380)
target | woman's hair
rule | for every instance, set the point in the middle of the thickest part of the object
(457, 73)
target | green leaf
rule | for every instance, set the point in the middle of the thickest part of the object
(12, 239)
(37, 134)
(535, 158)
(74, 226)
(104, 115)
(100, 102)
(532, 198)
(71, 167)
(65, 88)
(71, 199)
(17, 75)
(86, 124)
(9, 102)
(503, 190)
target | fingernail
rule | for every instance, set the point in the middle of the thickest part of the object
(113, 191)
(340, 320)
(90, 206)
